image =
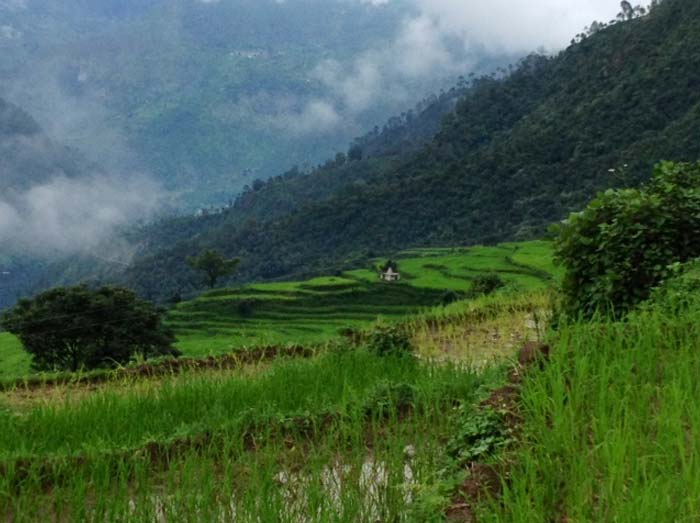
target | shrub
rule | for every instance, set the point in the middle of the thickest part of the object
(486, 284)
(246, 308)
(481, 434)
(449, 297)
(679, 291)
(624, 242)
(386, 339)
(387, 398)
(78, 327)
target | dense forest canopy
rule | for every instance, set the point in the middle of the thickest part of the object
(519, 152)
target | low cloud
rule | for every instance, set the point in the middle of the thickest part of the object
(439, 41)
(515, 25)
(65, 216)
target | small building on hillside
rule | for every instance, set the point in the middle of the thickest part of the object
(390, 275)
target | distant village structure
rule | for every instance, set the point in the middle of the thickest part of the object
(390, 275)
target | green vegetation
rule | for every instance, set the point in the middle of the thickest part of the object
(318, 310)
(519, 153)
(14, 361)
(356, 433)
(394, 403)
(213, 265)
(611, 427)
(80, 328)
(625, 241)
(321, 309)
(346, 436)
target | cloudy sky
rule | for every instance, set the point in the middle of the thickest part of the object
(439, 40)
(516, 25)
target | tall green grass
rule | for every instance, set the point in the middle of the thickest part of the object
(188, 405)
(353, 473)
(611, 425)
(346, 437)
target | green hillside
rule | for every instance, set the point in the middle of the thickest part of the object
(318, 310)
(610, 426)
(519, 153)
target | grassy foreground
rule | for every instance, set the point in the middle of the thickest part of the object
(611, 426)
(345, 437)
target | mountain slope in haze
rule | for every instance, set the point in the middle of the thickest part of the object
(382, 150)
(27, 158)
(208, 96)
(517, 154)
(59, 212)
(27, 155)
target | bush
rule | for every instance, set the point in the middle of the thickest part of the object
(624, 243)
(78, 327)
(246, 308)
(388, 398)
(449, 297)
(486, 284)
(679, 292)
(386, 339)
(480, 434)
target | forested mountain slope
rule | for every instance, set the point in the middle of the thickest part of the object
(519, 153)
(371, 157)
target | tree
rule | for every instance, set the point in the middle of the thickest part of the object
(626, 241)
(355, 153)
(214, 266)
(77, 327)
(390, 264)
(627, 10)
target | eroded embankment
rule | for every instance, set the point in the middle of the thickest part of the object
(161, 368)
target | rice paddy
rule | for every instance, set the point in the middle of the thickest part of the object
(342, 434)
(611, 426)
(343, 437)
(316, 311)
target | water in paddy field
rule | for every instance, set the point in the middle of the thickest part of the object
(367, 487)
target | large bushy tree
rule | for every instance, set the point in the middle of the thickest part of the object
(625, 241)
(78, 327)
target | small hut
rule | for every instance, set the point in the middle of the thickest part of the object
(390, 275)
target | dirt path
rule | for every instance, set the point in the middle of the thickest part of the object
(485, 480)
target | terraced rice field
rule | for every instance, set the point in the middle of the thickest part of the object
(337, 435)
(318, 310)
(344, 436)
